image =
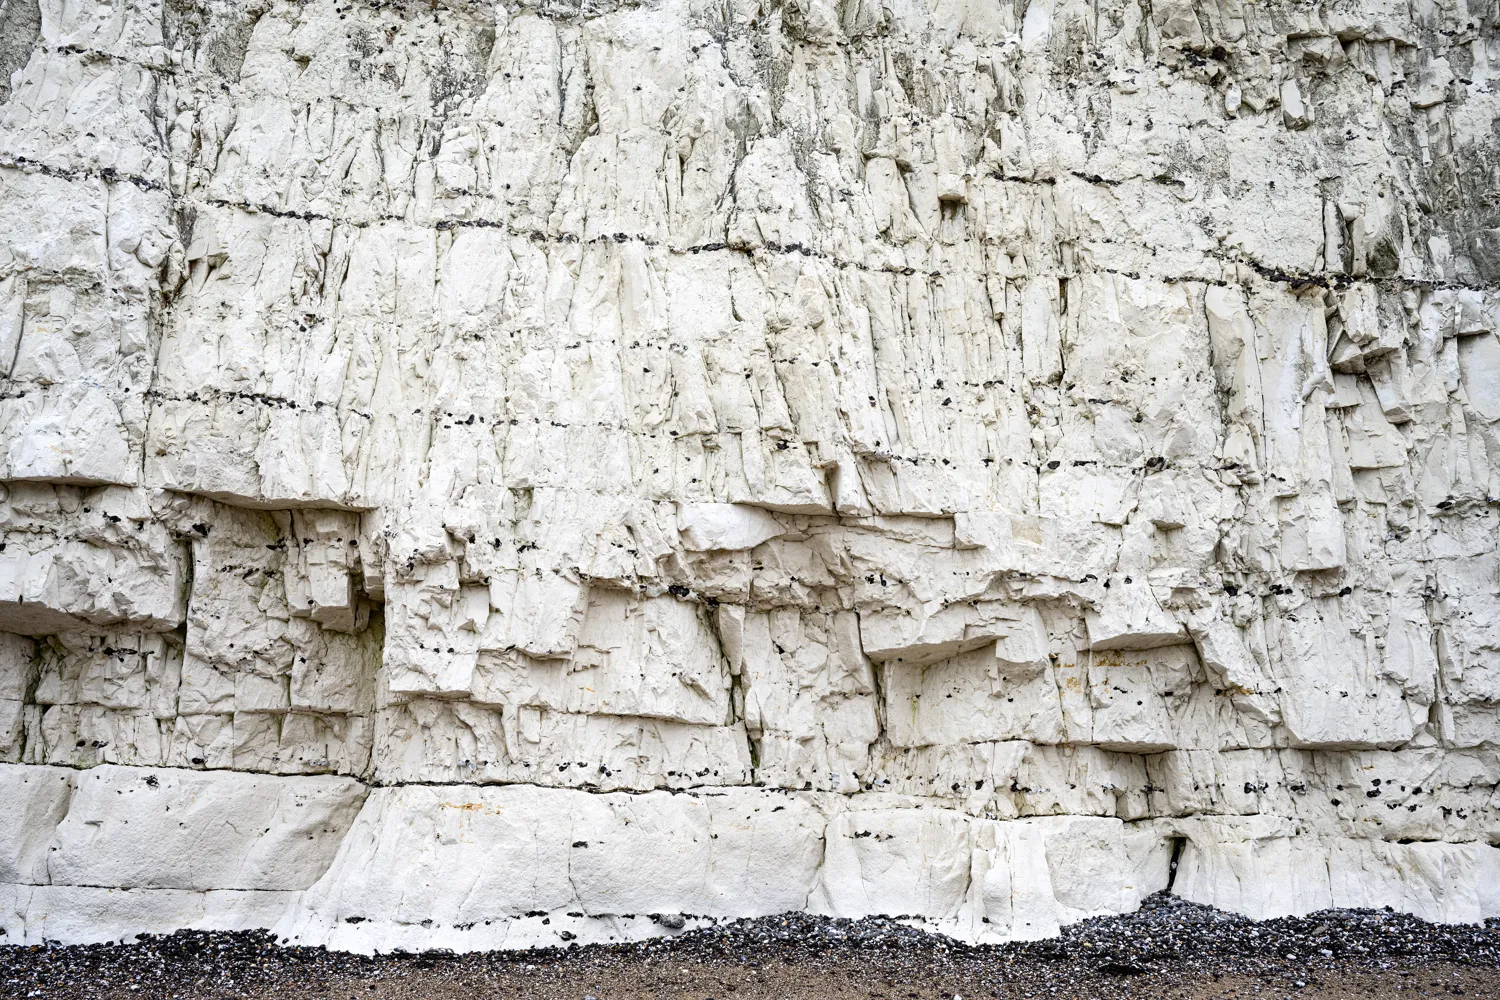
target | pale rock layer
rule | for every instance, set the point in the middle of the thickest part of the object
(486, 476)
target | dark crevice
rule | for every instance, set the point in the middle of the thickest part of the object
(1177, 845)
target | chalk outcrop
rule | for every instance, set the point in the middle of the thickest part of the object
(493, 475)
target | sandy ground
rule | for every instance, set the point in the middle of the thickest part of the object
(852, 980)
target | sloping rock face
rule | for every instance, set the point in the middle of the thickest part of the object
(497, 475)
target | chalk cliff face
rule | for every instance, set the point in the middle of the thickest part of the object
(490, 475)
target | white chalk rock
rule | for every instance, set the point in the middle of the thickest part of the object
(103, 915)
(768, 483)
(1130, 617)
(36, 800)
(427, 866)
(1262, 868)
(726, 526)
(154, 828)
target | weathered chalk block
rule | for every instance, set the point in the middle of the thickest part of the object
(466, 867)
(36, 800)
(472, 868)
(163, 828)
(1264, 869)
(108, 853)
(42, 914)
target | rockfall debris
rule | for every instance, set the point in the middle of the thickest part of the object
(1167, 949)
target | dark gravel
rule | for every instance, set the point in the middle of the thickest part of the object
(1169, 948)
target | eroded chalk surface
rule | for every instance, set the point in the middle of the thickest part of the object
(485, 475)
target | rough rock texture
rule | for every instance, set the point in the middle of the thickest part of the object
(1169, 949)
(490, 475)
